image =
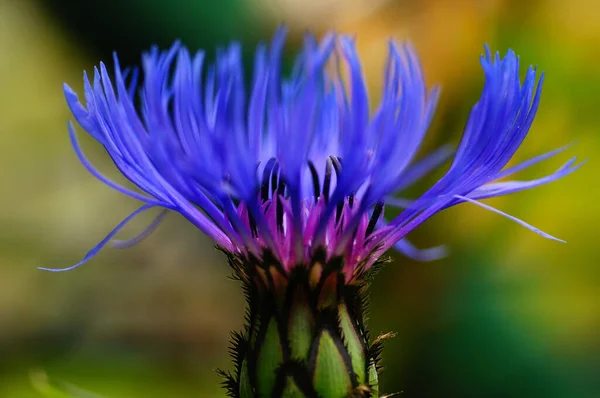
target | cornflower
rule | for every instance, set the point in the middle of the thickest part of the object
(289, 177)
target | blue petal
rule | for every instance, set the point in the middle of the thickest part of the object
(508, 187)
(513, 218)
(429, 254)
(103, 242)
(122, 244)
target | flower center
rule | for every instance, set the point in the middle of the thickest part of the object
(343, 228)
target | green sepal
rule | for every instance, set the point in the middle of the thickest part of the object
(269, 359)
(331, 378)
(355, 348)
(245, 385)
(291, 389)
(373, 378)
(300, 327)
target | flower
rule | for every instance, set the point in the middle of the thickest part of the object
(290, 166)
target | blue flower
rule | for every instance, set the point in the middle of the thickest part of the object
(292, 165)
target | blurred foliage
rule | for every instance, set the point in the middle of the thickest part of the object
(55, 389)
(508, 314)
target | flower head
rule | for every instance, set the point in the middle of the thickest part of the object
(294, 165)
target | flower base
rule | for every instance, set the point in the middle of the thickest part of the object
(305, 334)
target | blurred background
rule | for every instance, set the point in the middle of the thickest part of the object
(507, 314)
